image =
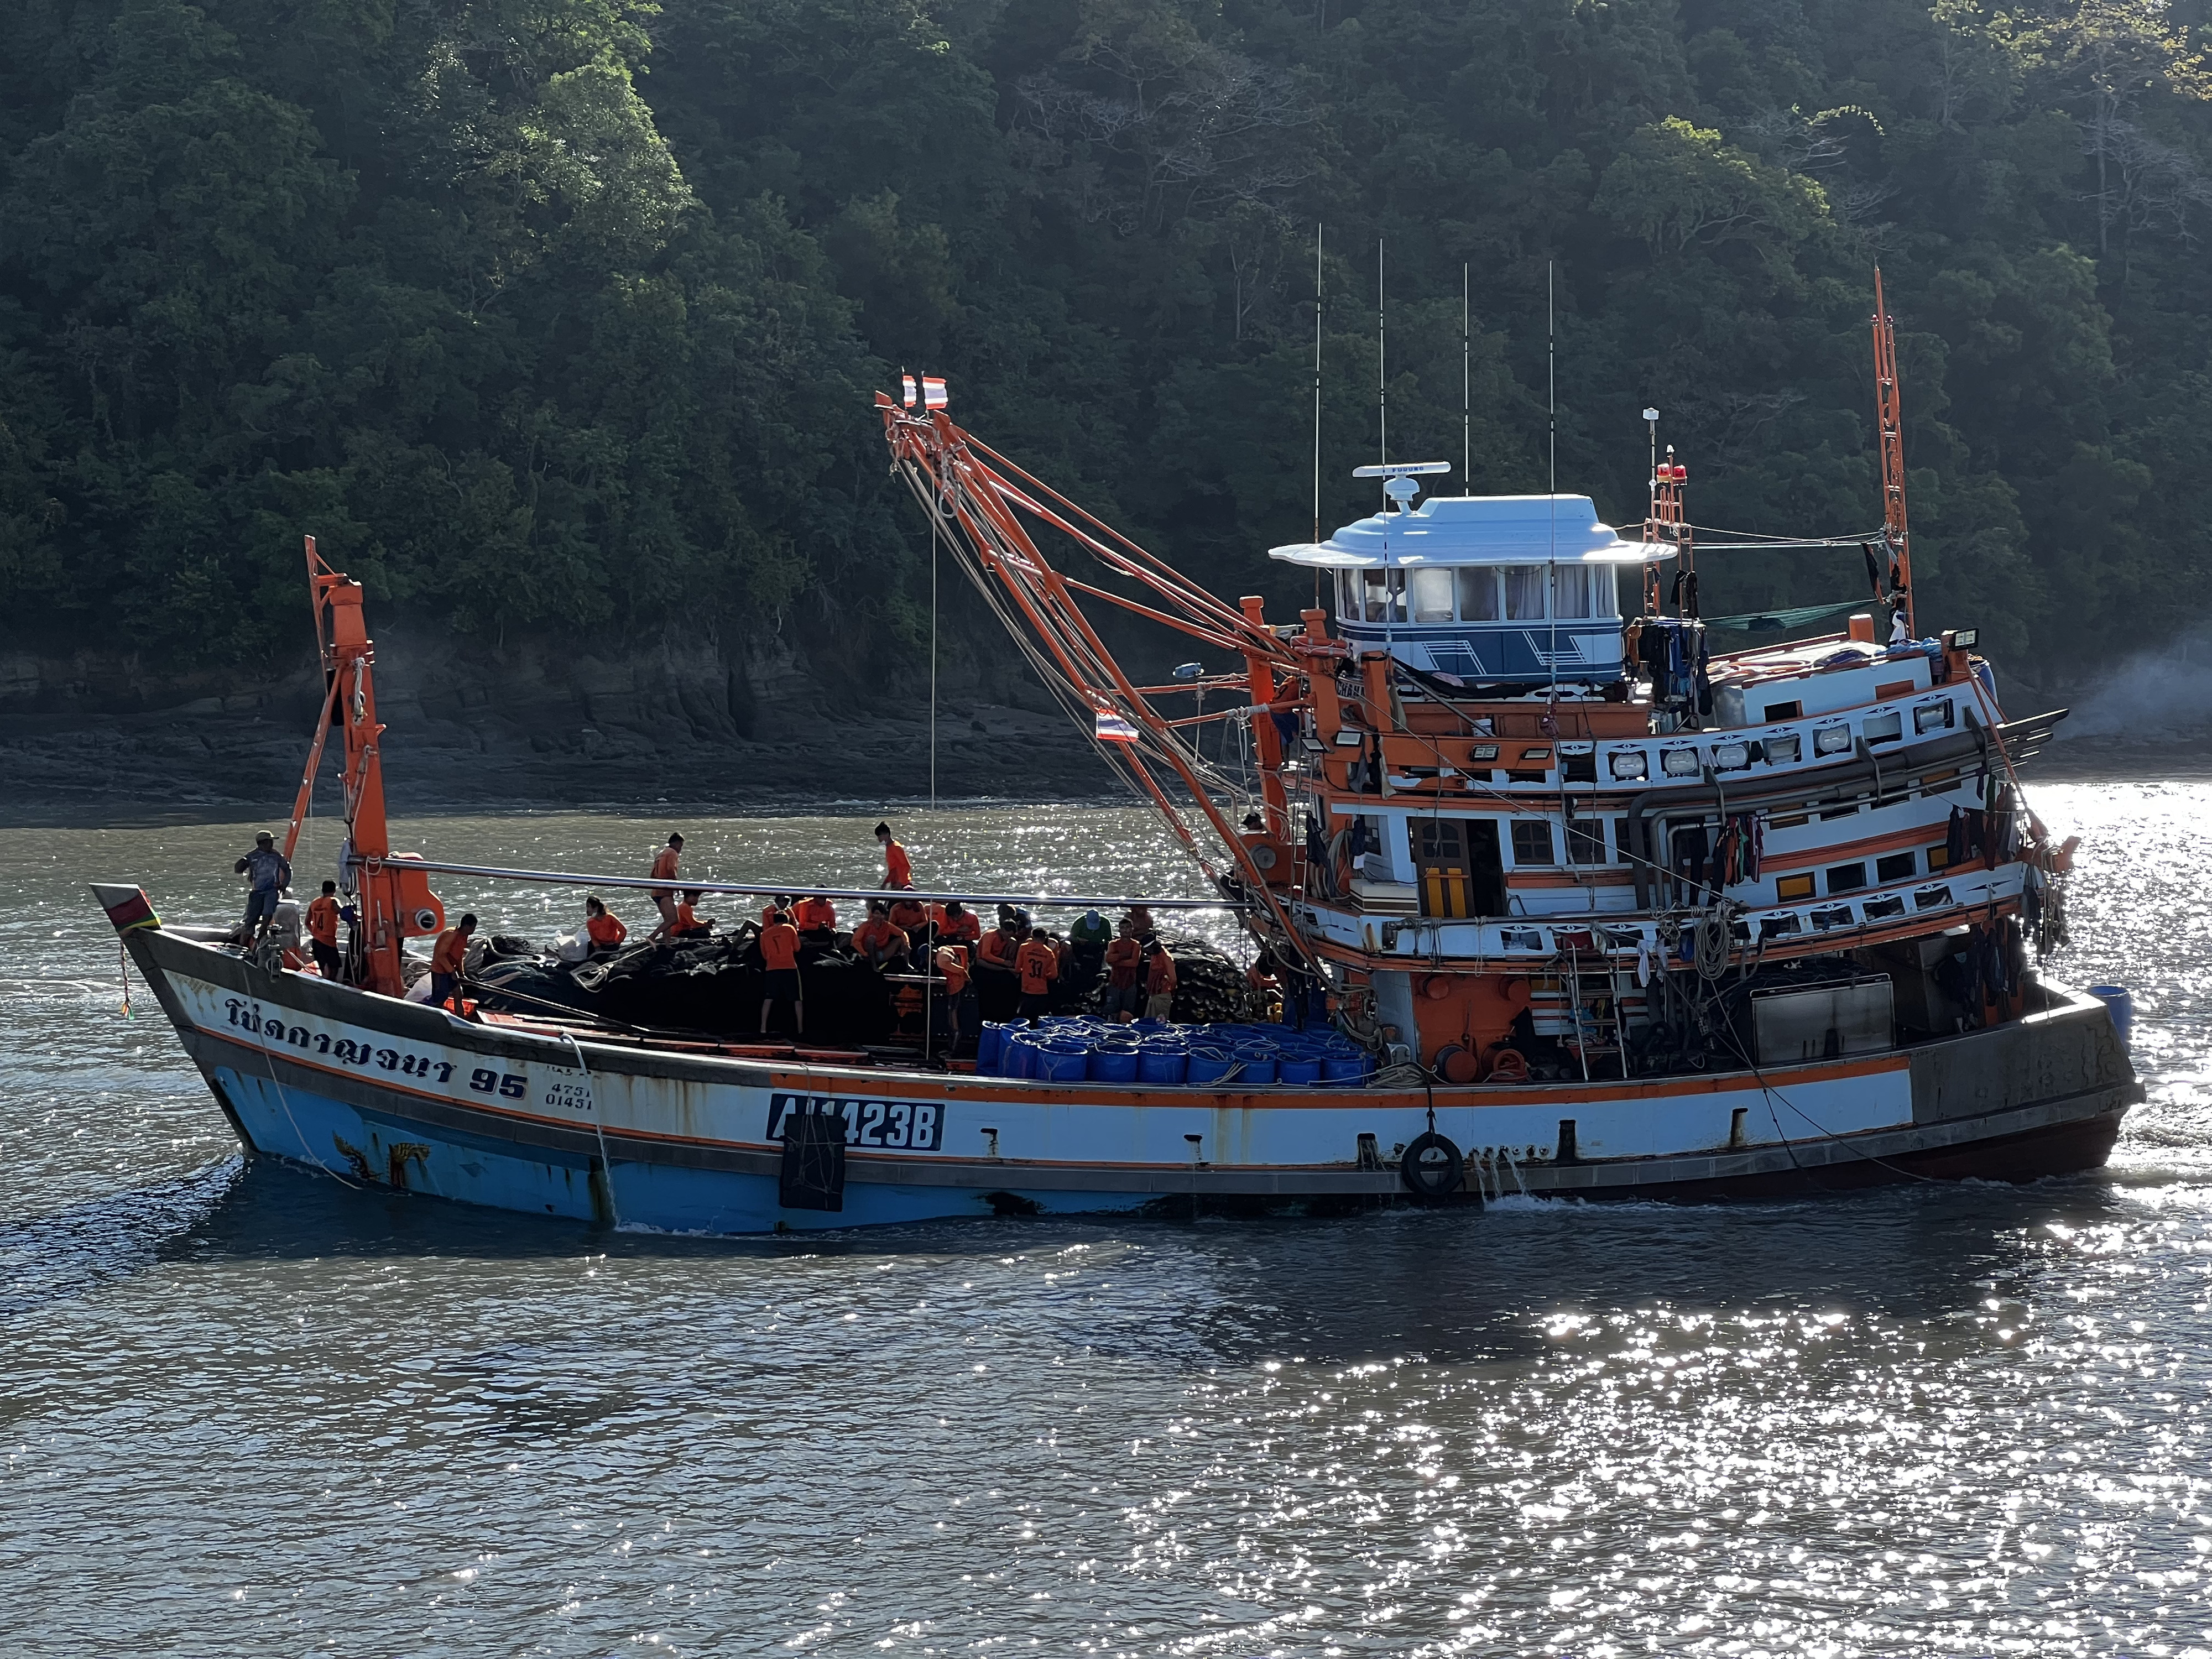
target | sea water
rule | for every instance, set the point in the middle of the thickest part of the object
(252, 1411)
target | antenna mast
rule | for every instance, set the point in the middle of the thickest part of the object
(1466, 381)
(1890, 420)
(1316, 447)
(1552, 392)
(1382, 386)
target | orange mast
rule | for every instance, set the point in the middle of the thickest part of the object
(1888, 418)
(396, 903)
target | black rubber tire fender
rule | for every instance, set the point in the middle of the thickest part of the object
(1431, 1179)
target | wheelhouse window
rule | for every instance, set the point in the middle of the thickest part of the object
(1524, 592)
(1384, 595)
(1432, 592)
(1347, 595)
(1570, 591)
(1478, 593)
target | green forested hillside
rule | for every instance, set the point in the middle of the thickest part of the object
(553, 314)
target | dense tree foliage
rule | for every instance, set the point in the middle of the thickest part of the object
(564, 313)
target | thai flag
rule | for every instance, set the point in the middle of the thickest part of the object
(906, 390)
(1116, 728)
(932, 391)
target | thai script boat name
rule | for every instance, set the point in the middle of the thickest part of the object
(272, 1032)
(891, 1126)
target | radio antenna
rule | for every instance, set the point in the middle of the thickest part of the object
(1466, 381)
(1316, 423)
(1552, 392)
(1382, 386)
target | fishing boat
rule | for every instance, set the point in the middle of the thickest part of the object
(1562, 902)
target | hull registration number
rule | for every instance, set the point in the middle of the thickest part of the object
(891, 1126)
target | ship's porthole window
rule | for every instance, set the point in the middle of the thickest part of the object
(1897, 867)
(1679, 762)
(1832, 739)
(1731, 756)
(1785, 750)
(1884, 728)
(1847, 878)
(1628, 764)
(1932, 716)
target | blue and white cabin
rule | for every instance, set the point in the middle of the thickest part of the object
(1491, 588)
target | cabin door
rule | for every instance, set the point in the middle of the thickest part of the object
(1441, 866)
(1488, 864)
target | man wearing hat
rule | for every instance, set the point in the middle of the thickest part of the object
(268, 873)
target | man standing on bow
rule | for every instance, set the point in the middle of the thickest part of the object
(268, 873)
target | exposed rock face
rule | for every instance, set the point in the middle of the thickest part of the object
(540, 724)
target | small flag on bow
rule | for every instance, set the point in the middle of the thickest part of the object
(1116, 728)
(932, 391)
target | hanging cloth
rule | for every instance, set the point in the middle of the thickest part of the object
(1954, 841)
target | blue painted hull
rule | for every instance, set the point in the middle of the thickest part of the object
(405, 1154)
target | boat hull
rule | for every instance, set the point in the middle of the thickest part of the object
(400, 1096)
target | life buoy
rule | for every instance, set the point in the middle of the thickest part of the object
(1433, 1166)
(1457, 1064)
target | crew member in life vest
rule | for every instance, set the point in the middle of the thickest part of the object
(447, 959)
(663, 869)
(1125, 965)
(779, 949)
(323, 934)
(816, 918)
(879, 944)
(908, 915)
(898, 868)
(956, 1015)
(1159, 982)
(687, 923)
(1038, 966)
(604, 931)
(958, 924)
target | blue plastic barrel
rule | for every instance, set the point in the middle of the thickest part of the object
(1113, 1066)
(1288, 1069)
(1344, 1068)
(1209, 1063)
(1063, 1062)
(1257, 1062)
(2120, 1004)
(1162, 1065)
(987, 1047)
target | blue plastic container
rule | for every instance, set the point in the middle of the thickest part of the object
(1288, 1069)
(1345, 1068)
(2120, 1004)
(1209, 1063)
(987, 1047)
(1113, 1066)
(1256, 1064)
(1018, 1055)
(1059, 1062)
(1162, 1065)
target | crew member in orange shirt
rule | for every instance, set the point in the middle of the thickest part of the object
(688, 925)
(1038, 965)
(815, 919)
(323, 934)
(954, 1003)
(1159, 983)
(908, 915)
(779, 948)
(879, 944)
(663, 869)
(447, 958)
(1125, 960)
(605, 932)
(898, 868)
(958, 924)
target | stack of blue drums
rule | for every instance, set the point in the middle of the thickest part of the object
(1152, 1054)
